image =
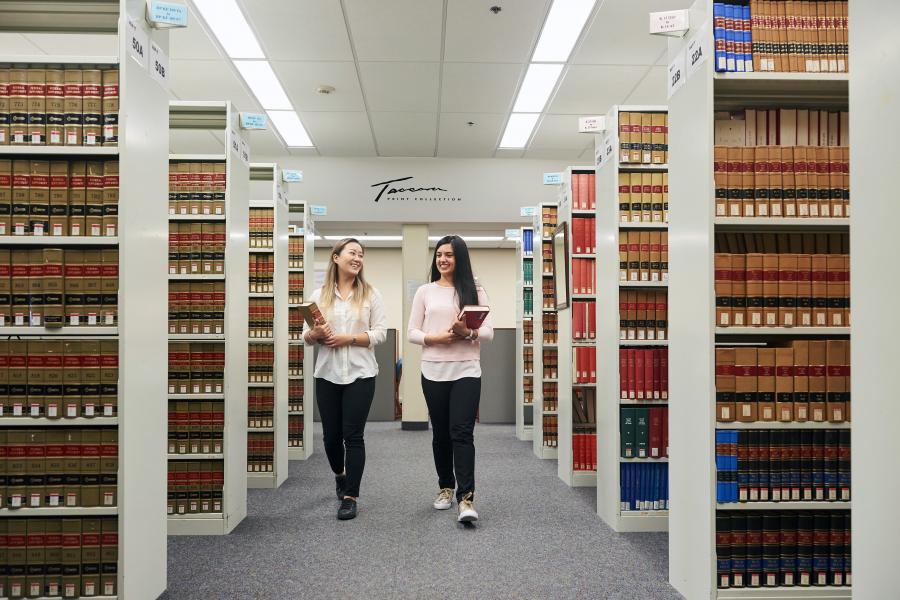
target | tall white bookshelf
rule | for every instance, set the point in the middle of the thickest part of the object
(571, 381)
(694, 335)
(276, 429)
(300, 414)
(221, 117)
(525, 334)
(613, 223)
(546, 383)
(128, 407)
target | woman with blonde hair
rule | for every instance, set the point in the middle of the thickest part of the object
(345, 366)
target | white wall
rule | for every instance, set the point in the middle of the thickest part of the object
(495, 269)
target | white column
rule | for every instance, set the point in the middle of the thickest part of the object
(415, 273)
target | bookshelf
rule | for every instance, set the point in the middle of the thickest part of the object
(577, 373)
(301, 395)
(622, 221)
(231, 463)
(525, 335)
(125, 412)
(270, 470)
(699, 527)
(546, 387)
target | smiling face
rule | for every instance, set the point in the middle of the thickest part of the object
(350, 260)
(445, 260)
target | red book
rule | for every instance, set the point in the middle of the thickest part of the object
(578, 235)
(593, 451)
(656, 432)
(593, 354)
(585, 367)
(592, 320)
(656, 383)
(576, 283)
(623, 373)
(592, 191)
(473, 315)
(648, 374)
(639, 373)
(664, 374)
(631, 379)
(665, 443)
(583, 191)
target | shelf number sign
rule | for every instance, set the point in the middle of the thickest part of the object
(677, 74)
(138, 43)
(159, 65)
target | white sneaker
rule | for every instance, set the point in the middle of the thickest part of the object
(466, 508)
(444, 499)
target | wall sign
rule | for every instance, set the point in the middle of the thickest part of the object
(552, 178)
(591, 124)
(670, 22)
(527, 211)
(512, 234)
(318, 211)
(403, 189)
(166, 15)
(253, 121)
(291, 176)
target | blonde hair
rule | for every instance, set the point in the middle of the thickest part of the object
(361, 288)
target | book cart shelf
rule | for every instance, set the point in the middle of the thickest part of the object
(525, 334)
(301, 235)
(544, 428)
(576, 374)
(706, 538)
(628, 182)
(102, 368)
(226, 464)
(267, 424)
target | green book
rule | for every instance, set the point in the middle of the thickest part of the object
(626, 431)
(642, 431)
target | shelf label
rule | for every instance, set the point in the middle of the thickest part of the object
(527, 211)
(245, 152)
(138, 43)
(511, 234)
(670, 22)
(318, 211)
(159, 65)
(291, 176)
(697, 52)
(552, 178)
(253, 121)
(676, 75)
(167, 14)
(235, 143)
(591, 124)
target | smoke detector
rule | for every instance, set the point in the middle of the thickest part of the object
(325, 89)
(496, 9)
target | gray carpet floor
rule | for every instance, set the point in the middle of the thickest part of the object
(537, 538)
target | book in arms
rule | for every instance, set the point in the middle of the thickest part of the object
(473, 316)
(311, 314)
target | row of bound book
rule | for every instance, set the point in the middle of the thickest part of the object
(644, 373)
(527, 331)
(643, 255)
(644, 431)
(584, 191)
(295, 395)
(295, 252)
(584, 235)
(195, 486)
(644, 138)
(528, 271)
(550, 323)
(260, 452)
(58, 197)
(643, 487)
(197, 188)
(528, 301)
(549, 219)
(197, 307)
(806, 381)
(59, 558)
(261, 317)
(262, 273)
(196, 248)
(261, 224)
(549, 291)
(528, 361)
(528, 390)
(196, 427)
(550, 393)
(260, 363)
(59, 107)
(55, 379)
(584, 276)
(295, 324)
(782, 465)
(584, 364)
(782, 290)
(643, 197)
(643, 315)
(781, 127)
(260, 407)
(295, 360)
(584, 320)
(295, 430)
(59, 467)
(527, 241)
(783, 548)
(295, 288)
(196, 368)
(550, 362)
(789, 181)
(584, 451)
(551, 431)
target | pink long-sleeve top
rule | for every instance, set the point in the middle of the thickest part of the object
(434, 310)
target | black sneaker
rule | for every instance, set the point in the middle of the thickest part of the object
(347, 510)
(340, 482)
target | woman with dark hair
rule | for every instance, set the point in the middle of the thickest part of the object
(345, 372)
(451, 369)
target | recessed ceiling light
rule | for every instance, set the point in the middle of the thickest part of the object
(290, 128)
(265, 85)
(230, 27)
(518, 130)
(561, 29)
(540, 79)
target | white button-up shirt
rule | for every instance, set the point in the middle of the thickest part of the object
(348, 363)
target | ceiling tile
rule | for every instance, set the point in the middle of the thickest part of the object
(591, 90)
(618, 34)
(192, 42)
(559, 131)
(400, 86)
(480, 88)
(300, 80)
(404, 134)
(303, 152)
(209, 80)
(194, 141)
(652, 89)
(458, 139)
(340, 133)
(396, 29)
(87, 44)
(308, 30)
(509, 153)
(555, 154)
(474, 34)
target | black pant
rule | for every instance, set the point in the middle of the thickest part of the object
(344, 410)
(452, 406)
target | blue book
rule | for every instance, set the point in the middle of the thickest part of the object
(729, 38)
(719, 35)
(748, 39)
(623, 486)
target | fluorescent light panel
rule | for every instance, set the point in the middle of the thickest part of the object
(471, 238)
(262, 82)
(540, 79)
(230, 27)
(518, 130)
(365, 238)
(561, 29)
(290, 128)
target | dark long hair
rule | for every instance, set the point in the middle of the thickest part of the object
(463, 279)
